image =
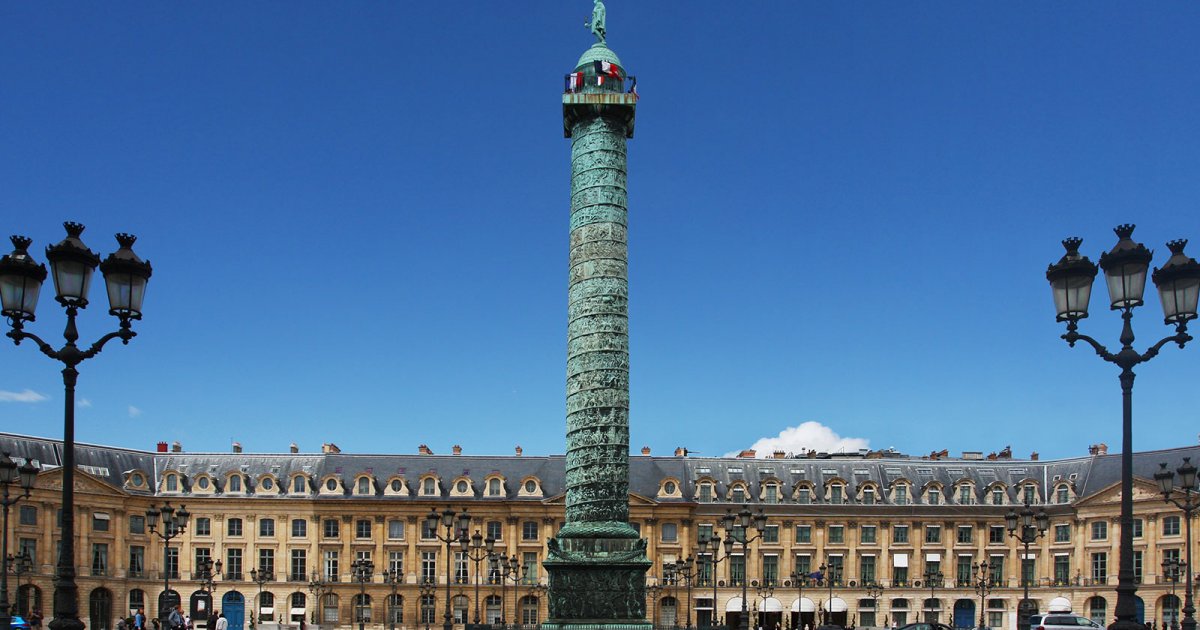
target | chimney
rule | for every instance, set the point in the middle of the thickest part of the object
(748, 453)
(162, 447)
(778, 454)
(237, 447)
(176, 447)
(330, 448)
(681, 452)
(1033, 456)
(456, 449)
(645, 450)
(424, 450)
(1102, 449)
(293, 448)
(518, 450)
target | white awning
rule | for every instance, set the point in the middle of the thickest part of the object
(933, 557)
(1060, 605)
(803, 605)
(103, 516)
(900, 560)
(1029, 556)
(837, 604)
(266, 610)
(734, 604)
(771, 604)
(298, 611)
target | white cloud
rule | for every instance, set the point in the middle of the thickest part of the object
(134, 411)
(26, 396)
(806, 436)
(85, 403)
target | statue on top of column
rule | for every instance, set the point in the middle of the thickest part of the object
(596, 24)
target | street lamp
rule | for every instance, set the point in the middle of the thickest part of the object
(428, 590)
(711, 546)
(259, 577)
(361, 571)
(510, 569)
(1189, 503)
(320, 588)
(206, 574)
(1171, 568)
(21, 565)
(1125, 266)
(10, 473)
(482, 548)
(72, 264)
(736, 528)
(393, 578)
(654, 590)
(830, 574)
(685, 569)
(933, 579)
(538, 591)
(174, 523)
(799, 580)
(1026, 527)
(763, 590)
(983, 584)
(453, 533)
(875, 591)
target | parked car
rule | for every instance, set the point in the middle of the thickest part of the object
(926, 626)
(1060, 621)
(19, 623)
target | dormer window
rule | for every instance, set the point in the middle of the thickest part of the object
(771, 494)
(738, 494)
(364, 486)
(461, 486)
(531, 486)
(172, 483)
(1062, 494)
(933, 496)
(202, 483)
(804, 495)
(331, 484)
(669, 487)
(1030, 494)
(965, 496)
(706, 492)
(298, 484)
(868, 496)
(901, 495)
(266, 483)
(235, 483)
(493, 487)
(428, 486)
(397, 485)
(836, 494)
(997, 495)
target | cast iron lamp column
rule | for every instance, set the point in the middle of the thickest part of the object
(21, 565)
(393, 578)
(707, 549)
(736, 528)
(933, 579)
(1171, 569)
(1125, 266)
(763, 590)
(983, 586)
(538, 591)
(319, 587)
(361, 571)
(1189, 503)
(875, 591)
(428, 591)
(125, 276)
(513, 570)
(453, 534)
(174, 523)
(653, 591)
(800, 580)
(831, 574)
(686, 569)
(10, 473)
(206, 574)
(1026, 527)
(260, 578)
(483, 548)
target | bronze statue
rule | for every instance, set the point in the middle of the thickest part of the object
(596, 24)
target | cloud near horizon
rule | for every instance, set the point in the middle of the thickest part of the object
(134, 411)
(26, 396)
(806, 436)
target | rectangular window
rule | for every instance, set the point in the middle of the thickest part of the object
(704, 532)
(266, 527)
(298, 571)
(100, 522)
(1062, 570)
(868, 534)
(529, 560)
(395, 529)
(233, 564)
(996, 568)
(329, 528)
(804, 495)
(804, 533)
(933, 534)
(200, 555)
(362, 528)
(299, 528)
(933, 496)
(137, 561)
(770, 570)
(396, 562)
(669, 532)
(1170, 526)
(1099, 530)
(866, 569)
(137, 524)
(706, 493)
(1062, 533)
(99, 559)
(772, 494)
(1062, 495)
(868, 496)
(529, 530)
(900, 533)
(997, 496)
(771, 534)
(837, 534)
(900, 576)
(331, 570)
(1030, 494)
(234, 527)
(737, 570)
(836, 570)
(172, 562)
(965, 534)
(29, 515)
(995, 534)
(1100, 568)
(428, 566)
(203, 526)
(460, 567)
(901, 494)
(835, 495)
(1137, 528)
(495, 529)
(739, 494)
(1137, 566)
(28, 547)
(1029, 571)
(963, 573)
(965, 497)
(804, 565)
(266, 563)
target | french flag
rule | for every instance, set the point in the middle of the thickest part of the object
(574, 81)
(607, 69)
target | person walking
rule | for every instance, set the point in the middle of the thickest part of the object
(222, 622)
(139, 619)
(175, 619)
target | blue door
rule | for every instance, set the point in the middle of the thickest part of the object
(233, 606)
(964, 613)
(1139, 607)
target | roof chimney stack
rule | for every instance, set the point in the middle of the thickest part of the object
(1102, 449)
(748, 453)
(237, 447)
(293, 448)
(162, 447)
(330, 448)
(645, 450)
(176, 447)
(681, 452)
(779, 454)
(424, 450)
(518, 450)
(456, 449)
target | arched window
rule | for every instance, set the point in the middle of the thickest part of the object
(492, 609)
(298, 484)
(997, 495)
(1097, 609)
(868, 496)
(172, 483)
(235, 483)
(329, 608)
(266, 606)
(362, 608)
(493, 487)
(364, 485)
(428, 615)
(137, 599)
(395, 610)
(666, 612)
(529, 610)
(460, 608)
(299, 605)
(428, 487)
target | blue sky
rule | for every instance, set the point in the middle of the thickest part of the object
(840, 213)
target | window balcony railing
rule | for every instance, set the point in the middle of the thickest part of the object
(135, 573)
(298, 577)
(591, 83)
(232, 575)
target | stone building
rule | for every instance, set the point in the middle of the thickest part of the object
(878, 518)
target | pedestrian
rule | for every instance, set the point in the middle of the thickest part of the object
(222, 622)
(175, 619)
(139, 619)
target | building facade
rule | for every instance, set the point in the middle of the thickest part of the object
(303, 519)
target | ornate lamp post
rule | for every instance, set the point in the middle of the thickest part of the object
(483, 548)
(72, 263)
(1026, 527)
(320, 588)
(685, 570)
(934, 580)
(453, 533)
(393, 578)
(21, 565)
(763, 590)
(207, 572)
(1125, 266)
(737, 528)
(653, 591)
(428, 591)
(982, 575)
(799, 580)
(10, 473)
(510, 569)
(875, 591)
(1190, 501)
(830, 574)
(174, 524)
(1171, 569)
(260, 578)
(361, 571)
(538, 591)
(711, 546)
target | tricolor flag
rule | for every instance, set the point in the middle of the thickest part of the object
(609, 69)
(633, 89)
(574, 81)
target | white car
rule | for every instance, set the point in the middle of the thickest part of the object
(1060, 621)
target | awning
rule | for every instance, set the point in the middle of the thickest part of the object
(933, 557)
(734, 604)
(1029, 556)
(771, 604)
(803, 605)
(266, 610)
(298, 611)
(900, 560)
(103, 516)
(837, 604)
